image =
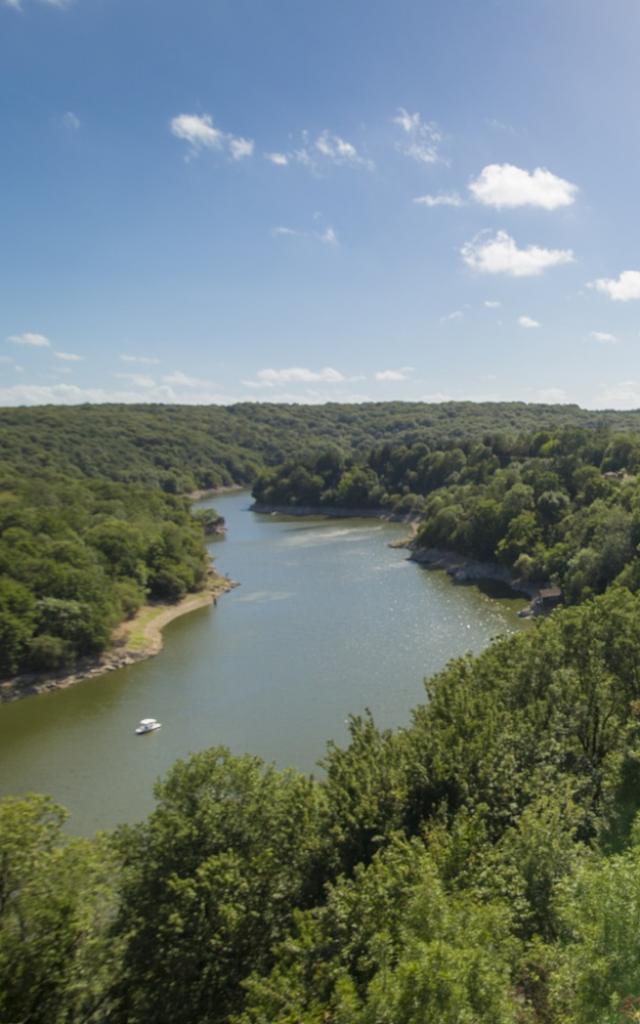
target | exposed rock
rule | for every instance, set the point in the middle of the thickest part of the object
(464, 570)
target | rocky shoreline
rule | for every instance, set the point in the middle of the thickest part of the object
(459, 567)
(134, 640)
(469, 570)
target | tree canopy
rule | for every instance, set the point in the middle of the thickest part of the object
(480, 866)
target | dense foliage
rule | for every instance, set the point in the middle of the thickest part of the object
(80, 551)
(181, 448)
(481, 865)
(563, 506)
(77, 556)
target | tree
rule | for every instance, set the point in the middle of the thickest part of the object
(57, 901)
(17, 620)
(211, 884)
(598, 977)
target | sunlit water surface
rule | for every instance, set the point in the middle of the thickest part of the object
(328, 620)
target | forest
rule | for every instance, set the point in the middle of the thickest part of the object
(78, 556)
(552, 505)
(480, 866)
(184, 448)
(94, 519)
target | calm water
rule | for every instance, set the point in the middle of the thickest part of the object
(328, 620)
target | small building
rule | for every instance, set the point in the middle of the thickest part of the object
(549, 598)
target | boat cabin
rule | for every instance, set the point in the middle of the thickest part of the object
(147, 725)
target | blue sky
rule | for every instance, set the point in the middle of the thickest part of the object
(223, 200)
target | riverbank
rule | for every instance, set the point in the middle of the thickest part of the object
(330, 512)
(212, 492)
(469, 570)
(460, 568)
(133, 640)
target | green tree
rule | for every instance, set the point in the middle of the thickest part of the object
(211, 884)
(57, 903)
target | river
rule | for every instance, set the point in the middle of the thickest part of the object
(328, 620)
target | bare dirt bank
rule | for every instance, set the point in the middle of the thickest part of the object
(134, 640)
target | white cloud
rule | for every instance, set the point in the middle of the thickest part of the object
(503, 185)
(492, 304)
(71, 121)
(308, 396)
(621, 289)
(526, 321)
(300, 375)
(552, 396)
(604, 337)
(240, 148)
(199, 131)
(456, 315)
(625, 395)
(279, 159)
(303, 155)
(338, 151)
(402, 374)
(179, 379)
(16, 5)
(328, 236)
(70, 394)
(500, 255)
(442, 199)
(8, 360)
(436, 397)
(28, 338)
(422, 140)
(326, 149)
(142, 360)
(68, 357)
(139, 380)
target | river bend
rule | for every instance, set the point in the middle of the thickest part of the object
(328, 620)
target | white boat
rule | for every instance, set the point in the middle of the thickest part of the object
(147, 725)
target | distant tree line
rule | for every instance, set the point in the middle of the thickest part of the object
(185, 448)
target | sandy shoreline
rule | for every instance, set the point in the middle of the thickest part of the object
(134, 640)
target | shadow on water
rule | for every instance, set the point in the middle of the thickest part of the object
(497, 590)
